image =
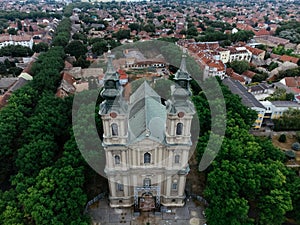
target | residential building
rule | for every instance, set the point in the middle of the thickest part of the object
(23, 40)
(247, 99)
(277, 108)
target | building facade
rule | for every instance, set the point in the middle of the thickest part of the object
(23, 40)
(147, 144)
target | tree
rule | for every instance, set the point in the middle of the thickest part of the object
(40, 47)
(192, 31)
(60, 40)
(240, 66)
(134, 26)
(12, 31)
(19, 24)
(282, 138)
(122, 34)
(76, 48)
(242, 35)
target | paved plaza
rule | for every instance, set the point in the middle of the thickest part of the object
(102, 214)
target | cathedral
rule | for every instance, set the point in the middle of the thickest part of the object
(146, 143)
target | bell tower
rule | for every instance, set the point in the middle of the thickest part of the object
(113, 110)
(180, 109)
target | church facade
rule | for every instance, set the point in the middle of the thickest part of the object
(147, 143)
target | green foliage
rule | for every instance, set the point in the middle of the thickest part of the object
(122, 34)
(289, 30)
(282, 138)
(294, 187)
(40, 47)
(13, 15)
(288, 73)
(242, 35)
(290, 120)
(16, 51)
(259, 77)
(272, 66)
(62, 36)
(280, 50)
(248, 176)
(76, 48)
(134, 26)
(192, 31)
(211, 35)
(80, 36)
(41, 167)
(149, 27)
(239, 66)
(280, 94)
(12, 31)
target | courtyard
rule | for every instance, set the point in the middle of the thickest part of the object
(102, 214)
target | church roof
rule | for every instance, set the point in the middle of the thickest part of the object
(147, 117)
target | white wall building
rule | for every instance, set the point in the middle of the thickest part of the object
(23, 40)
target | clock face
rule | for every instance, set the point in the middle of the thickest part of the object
(113, 115)
(181, 114)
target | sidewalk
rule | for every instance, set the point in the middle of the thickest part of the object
(102, 214)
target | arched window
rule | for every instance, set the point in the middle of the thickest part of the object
(117, 159)
(114, 129)
(147, 182)
(174, 185)
(179, 128)
(120, 187)
(177, 157)
(147, 157)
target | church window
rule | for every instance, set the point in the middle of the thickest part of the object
(147, 157)
(117, 159)
(174, 185)
(179, 128)
(114, 129)
(120, 187)
(147, 182)
(177, 157)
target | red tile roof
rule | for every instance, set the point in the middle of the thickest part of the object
(292, 81)
(287, 58)
(254, 51)
(249, 74)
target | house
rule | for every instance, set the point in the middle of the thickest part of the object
(248, 76)
(239, 53)
(256, 52)
(6, 83)
(235, 76)
(247, 99)
(123, 77)
(211, 67)
(287, 58)
(23, 40)
(66, 86)
(23, 79)
(292, 84)
(146, 144)
(277, 108)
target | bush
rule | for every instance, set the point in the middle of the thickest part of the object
(296, 146)
(282, 138)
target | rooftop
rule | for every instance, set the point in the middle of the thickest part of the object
(237, 88)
